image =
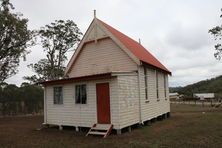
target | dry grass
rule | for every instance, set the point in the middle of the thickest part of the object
(187, 127)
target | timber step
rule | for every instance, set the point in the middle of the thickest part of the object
(97, 133)
(100, 129)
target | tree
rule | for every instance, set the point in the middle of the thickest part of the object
(217, 33)
(56, 39)
(14, 39)
(42, 69)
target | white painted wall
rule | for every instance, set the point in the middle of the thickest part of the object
(95, 32)
(124, 101)
(101, 57)
(153, 107)
(128, 100)
(128, 93)
(84, 115)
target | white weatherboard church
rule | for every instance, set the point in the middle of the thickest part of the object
(112, 81)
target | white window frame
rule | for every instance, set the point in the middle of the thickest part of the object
(165, 86)
(60, 99)
(157, 85)
(146, 84)
(80, 101)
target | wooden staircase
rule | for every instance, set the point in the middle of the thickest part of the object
(100, 129)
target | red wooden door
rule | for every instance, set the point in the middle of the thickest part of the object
(103, 103)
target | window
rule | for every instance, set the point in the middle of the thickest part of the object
(58, 95)
(157, 85)
(165, 85)
(146, 85)
(80, 97)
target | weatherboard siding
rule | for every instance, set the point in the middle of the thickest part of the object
(128, 100)
(124, 101)
(95, 33)
(83, 115)
(101, 57)
(128, 94)
(153, 106)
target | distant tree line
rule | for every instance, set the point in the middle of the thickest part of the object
(207, 86)
(26, 99)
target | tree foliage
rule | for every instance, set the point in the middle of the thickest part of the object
(217, 33)
(42, 69)
(14, 39)
(56, 39)
(20, 100)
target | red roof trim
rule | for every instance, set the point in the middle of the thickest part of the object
(137, 49)
(78, 79)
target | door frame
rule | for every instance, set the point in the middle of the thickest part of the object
(108, 101)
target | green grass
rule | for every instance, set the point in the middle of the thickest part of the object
(189, 126)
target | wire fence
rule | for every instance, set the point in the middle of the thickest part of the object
(14, 108)
(212, 103)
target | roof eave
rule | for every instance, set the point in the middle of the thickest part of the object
(155, 67)
(77, 79)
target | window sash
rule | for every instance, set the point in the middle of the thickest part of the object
(58, 95)
(77, 94)
(157, 85)
(165, 87)
(80, 94)
(146, 84)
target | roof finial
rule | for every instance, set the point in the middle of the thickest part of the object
(94, 13)
(139, 41)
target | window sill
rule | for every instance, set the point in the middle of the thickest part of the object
(58, 104)
(147, 101)
(80, 104)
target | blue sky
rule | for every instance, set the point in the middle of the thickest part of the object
(175, 31)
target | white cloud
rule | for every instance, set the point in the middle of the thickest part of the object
(189, 38)
(176, 32)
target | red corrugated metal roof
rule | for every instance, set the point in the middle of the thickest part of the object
(137, 49)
